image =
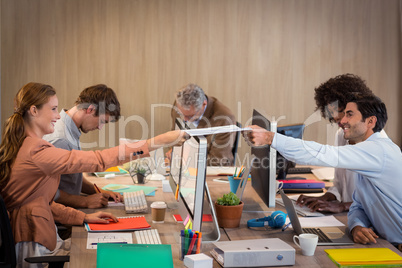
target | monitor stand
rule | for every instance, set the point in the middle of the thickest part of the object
(214, 234)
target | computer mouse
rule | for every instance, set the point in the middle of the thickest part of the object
(156, 177)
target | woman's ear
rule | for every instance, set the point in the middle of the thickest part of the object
(33, 110)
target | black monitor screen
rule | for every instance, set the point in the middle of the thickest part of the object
(294, 131)
(263, 171)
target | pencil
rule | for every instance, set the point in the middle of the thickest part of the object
(97, 189)
(240, 171)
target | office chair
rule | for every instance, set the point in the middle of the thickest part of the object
(8, 258)
(236, 143)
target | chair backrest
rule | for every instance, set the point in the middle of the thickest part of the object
(7, 246)
(236, 143)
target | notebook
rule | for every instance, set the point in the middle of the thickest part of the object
(327, 236)
(134, 255)
(359, 257)
(302, 184)
(124, 224)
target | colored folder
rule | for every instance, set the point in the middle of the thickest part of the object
(368, 257)
(134, 255)
(302, 184)
(124, 224)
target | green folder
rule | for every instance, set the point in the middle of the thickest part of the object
(133, 255)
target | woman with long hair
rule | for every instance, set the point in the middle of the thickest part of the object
(30, 170)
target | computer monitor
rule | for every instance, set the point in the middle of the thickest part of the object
(295, 131)
(263, 172)
(188, 170)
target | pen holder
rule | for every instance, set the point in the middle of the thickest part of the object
(189, 245)
(234, 183)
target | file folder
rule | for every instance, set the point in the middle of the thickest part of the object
(134, 255)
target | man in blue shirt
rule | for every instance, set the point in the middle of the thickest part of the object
(377, 204)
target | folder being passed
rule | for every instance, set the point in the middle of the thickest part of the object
(134, 255)
(358, 257)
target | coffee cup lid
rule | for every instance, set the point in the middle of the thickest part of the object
(158, 204)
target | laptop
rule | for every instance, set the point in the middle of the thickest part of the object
(327, 236)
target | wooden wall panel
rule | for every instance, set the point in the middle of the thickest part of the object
(262, 54)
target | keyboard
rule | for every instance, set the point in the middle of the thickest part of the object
(321, 236)
(135, 202)
(299, 170)
(150, 236)
(302, 211)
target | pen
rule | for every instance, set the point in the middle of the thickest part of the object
(285, 227)
(199, 243)
(97, 189)
(241, 169)
(191, 247)
(109, 243)
(185, 241)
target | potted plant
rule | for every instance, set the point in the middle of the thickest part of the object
(138, 172)
(228, 210)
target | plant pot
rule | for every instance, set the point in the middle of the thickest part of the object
(229, 216)
(140, 178)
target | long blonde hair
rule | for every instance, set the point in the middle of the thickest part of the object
(32, 94)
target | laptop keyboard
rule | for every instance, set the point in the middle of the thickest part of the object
(302, 211)
(321, 236)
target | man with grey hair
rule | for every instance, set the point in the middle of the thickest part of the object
(193, 106)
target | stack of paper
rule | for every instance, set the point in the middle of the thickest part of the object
(116, 171)
(372, 257)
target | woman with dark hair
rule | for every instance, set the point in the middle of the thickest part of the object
(30, 170)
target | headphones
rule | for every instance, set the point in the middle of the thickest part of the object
(276, 220)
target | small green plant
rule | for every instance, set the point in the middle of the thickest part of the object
(141, 170)
(229, 199)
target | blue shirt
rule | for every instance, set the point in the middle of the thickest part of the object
(377, 200)
(66, 136)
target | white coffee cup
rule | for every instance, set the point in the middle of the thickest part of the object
(279, 185)
(307, 243)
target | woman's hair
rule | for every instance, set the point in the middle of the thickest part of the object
(32, 94)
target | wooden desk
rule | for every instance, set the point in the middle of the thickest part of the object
(253, 208)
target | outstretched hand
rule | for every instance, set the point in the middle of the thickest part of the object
(258, 136)
(170, 138)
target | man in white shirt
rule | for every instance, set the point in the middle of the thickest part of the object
(377, 207)
(331, 99)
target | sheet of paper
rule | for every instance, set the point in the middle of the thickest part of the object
(218, 170)
(95, 238)
(148, 190)
(296, 196)
(324, 174)
(214, 130)
(326, 221)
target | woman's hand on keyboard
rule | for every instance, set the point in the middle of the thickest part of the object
(100, 217)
